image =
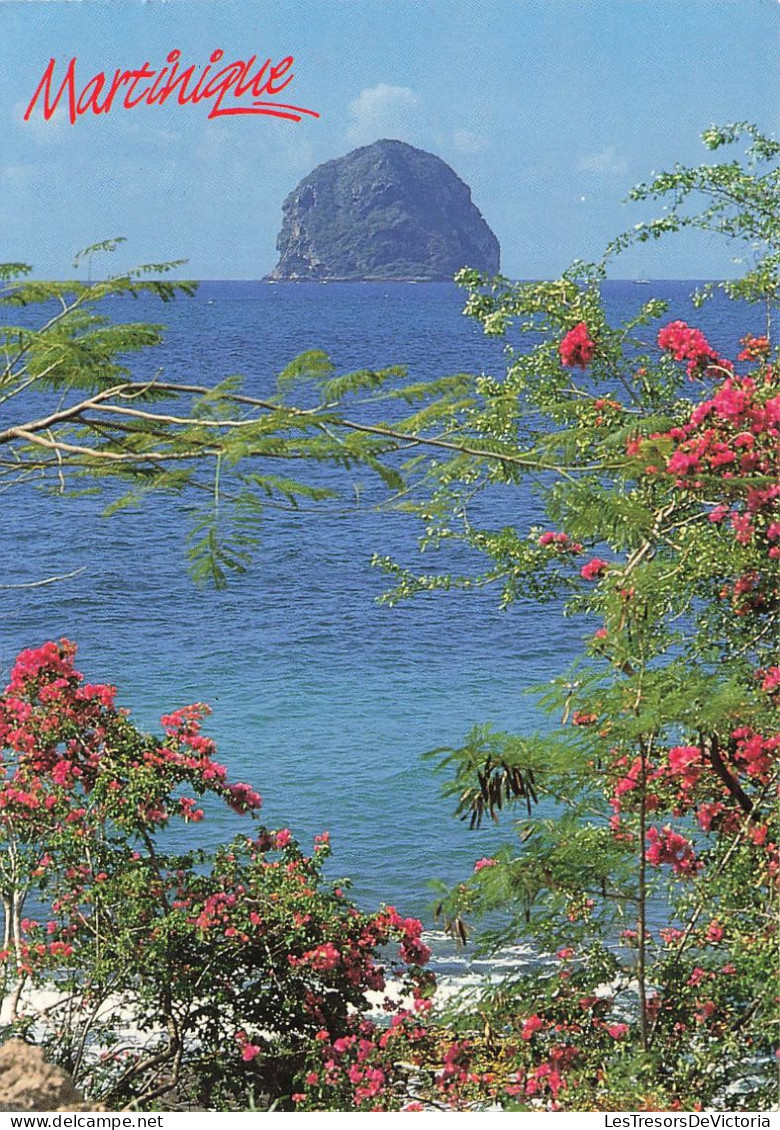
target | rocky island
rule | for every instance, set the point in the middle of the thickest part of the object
(386, 211)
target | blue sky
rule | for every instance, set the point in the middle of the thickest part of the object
(549, 109)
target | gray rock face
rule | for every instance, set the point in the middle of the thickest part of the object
(385, 211)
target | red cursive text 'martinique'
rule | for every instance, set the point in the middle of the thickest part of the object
(239, 88)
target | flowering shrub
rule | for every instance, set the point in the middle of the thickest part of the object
(647, 847)
(689, 822)
(577, 347)
(686, 344)
(205, 973)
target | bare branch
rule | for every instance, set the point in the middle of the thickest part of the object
(46, 580)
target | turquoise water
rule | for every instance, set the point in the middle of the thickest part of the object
(323, 699)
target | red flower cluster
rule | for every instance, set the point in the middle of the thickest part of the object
(545, 1076)
(356, 1070)
(457, 1061)
(560, 542)
(582, 718)
(481, 864)
(322, 958)
(243, 798)
(741, 436)
(756, 348)
(413, 951)
(594, 569)
(685, 768)
(687, 344)
(532, 1024)
(577, 347)
(748, 593)
(754, 753)
(771, 680)
(668, 846)
(734, 435)
(248, 1051)
(715, 932)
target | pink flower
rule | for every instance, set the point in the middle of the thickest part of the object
(686, 762)
(617, 1031)
(481, 864)
(594, 569)
(771, 680)
(60, 949)
(531, 1025)
(756, 347)
(715, 932)
(706, 1010)
(580, 718)
(61, 772)
(706, 813)
(668, 846)
(689, 345)
(560, 542)
(250, 1052)
(323, 958)
(577, 347)
(189, 810)
(241, 798)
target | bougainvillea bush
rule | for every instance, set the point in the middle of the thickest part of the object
(154, 975)
(644, 853)
(646, 861)
(642, 859)
(651, 871)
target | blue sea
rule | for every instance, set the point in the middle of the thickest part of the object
(322, 698)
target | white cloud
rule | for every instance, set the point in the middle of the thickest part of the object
(464, 141)
(383, 111)
(607, 161)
